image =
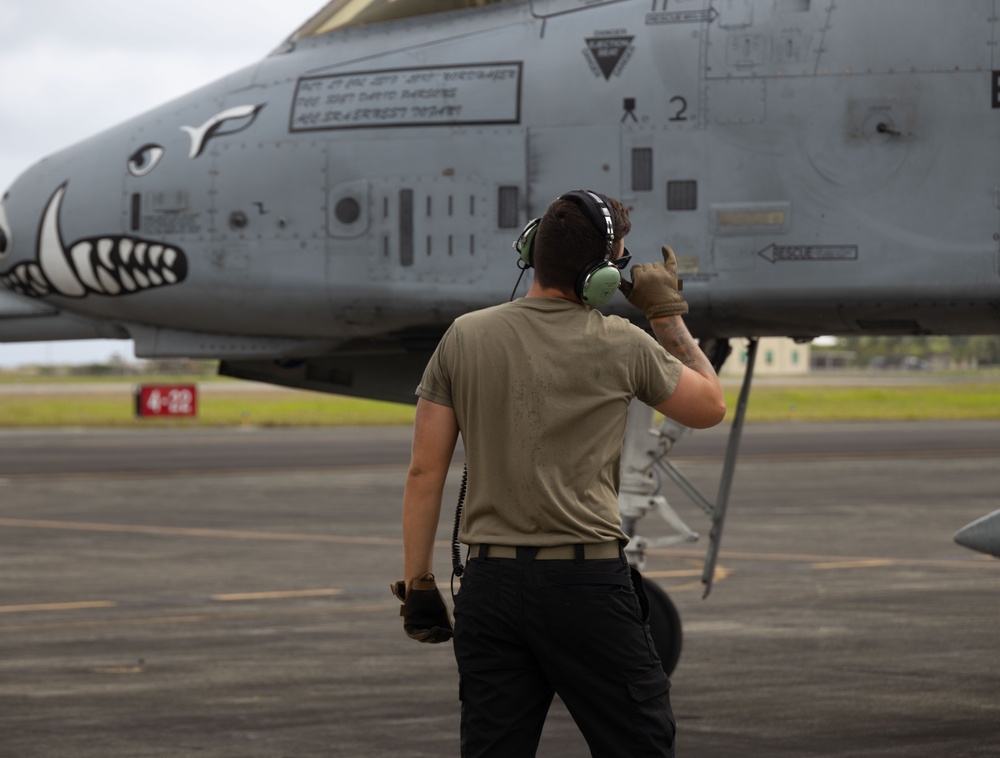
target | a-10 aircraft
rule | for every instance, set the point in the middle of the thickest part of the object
(319, 218)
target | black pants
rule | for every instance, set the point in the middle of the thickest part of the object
(525, 630)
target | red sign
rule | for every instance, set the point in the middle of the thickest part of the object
(166, 400)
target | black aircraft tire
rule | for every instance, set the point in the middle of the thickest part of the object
(664, 625)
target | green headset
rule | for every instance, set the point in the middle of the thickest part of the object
(600, 279)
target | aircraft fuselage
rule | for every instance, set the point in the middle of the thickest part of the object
(818, 168)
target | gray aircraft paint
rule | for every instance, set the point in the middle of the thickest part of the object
(819, 168)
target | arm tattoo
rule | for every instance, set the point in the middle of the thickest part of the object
(672, 333)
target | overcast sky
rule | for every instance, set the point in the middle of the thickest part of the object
(72, 68)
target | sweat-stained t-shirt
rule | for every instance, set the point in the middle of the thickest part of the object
(540, 389)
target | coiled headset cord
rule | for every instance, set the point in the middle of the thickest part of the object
(457, 569)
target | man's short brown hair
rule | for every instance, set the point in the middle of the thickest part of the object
(567, 241)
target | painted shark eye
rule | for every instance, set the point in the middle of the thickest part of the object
(144, 160)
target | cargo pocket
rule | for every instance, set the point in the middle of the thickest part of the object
(649, 685)
(653, 725)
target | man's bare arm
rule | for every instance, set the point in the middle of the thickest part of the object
(435, 432)
(656, 291)
(697, 401)
(673, 334)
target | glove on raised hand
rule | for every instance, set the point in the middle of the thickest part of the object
(425, 618)
(655, 288)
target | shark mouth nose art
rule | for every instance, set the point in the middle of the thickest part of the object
(104, 265)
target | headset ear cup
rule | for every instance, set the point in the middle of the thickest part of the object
(525, 244)
(598, 283)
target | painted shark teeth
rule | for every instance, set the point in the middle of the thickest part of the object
(114, 265)
(26, 279)
(104, 265)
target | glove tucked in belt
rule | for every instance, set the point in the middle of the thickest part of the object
(425, 617)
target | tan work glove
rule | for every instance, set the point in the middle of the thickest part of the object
(655, 288)
(425, 618)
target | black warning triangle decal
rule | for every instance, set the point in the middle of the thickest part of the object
(607, 52)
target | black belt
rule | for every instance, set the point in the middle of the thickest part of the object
(588, 551)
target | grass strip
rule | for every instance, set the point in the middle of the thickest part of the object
(884, 403)
(219, 408)
(214, 410)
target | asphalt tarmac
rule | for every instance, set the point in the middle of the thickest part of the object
(225, 593)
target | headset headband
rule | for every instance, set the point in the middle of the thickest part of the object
(597, 210)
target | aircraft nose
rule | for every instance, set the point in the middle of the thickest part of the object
(19, 217)
(5, 235)
(983, 534)
(17, 234)
(63, 235)
(23, 206)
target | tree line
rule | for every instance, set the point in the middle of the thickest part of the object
(973, 350)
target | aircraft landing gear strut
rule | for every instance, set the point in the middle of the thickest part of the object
(644, 465)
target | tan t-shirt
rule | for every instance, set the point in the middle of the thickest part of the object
(540, 389)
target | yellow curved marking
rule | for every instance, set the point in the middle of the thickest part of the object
(119, 670)
(972, 561)
(721, 572)
(42, 607)
(860, 563)
(222, 598)
(178, 531)
(239, 596)
(199, 618)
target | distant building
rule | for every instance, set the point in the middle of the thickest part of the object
(776, 356)
(834, 360)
